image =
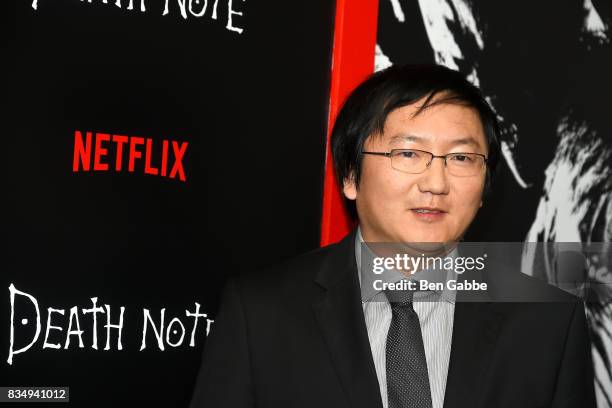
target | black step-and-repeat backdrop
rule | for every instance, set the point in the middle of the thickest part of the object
(545, 68)
(150, 148)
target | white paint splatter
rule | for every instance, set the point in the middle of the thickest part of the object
(397, 11)
(511, 162)
(436, 16)
(570, 179)
(381, 61)
(593, 24)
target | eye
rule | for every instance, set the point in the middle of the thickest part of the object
(464, 158)
(408, 154)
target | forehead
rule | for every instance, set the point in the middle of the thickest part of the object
(439, 124)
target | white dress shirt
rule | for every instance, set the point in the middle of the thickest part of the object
(436, 319)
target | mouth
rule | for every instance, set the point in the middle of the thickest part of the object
(428, 213)
(428, 210)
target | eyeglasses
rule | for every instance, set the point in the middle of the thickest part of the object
(417, 161)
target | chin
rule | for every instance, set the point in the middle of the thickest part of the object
(426, 238)
(425, 247)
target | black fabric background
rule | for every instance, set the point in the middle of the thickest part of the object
(253, 108)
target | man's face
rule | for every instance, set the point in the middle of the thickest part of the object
(392, 205)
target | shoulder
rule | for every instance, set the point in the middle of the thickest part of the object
(293, 276)
(533, 305)
(513, 285)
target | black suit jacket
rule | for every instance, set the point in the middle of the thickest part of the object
(295, 336)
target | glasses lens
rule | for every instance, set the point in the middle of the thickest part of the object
(464, 164)
(410, 161)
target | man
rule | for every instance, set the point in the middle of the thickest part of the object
(413, 147)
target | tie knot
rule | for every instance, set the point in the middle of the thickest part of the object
(399, 298)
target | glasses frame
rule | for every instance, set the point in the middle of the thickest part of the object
(389, 154)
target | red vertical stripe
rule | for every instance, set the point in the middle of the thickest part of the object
(352, 62)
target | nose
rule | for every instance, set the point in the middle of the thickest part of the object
(434, 179)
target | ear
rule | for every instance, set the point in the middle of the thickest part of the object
(349, 187)
(480, 206)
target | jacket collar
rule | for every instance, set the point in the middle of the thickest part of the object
(338, 311)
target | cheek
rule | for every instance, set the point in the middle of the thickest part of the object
(383, 187)
(379, 189)
(468, 196)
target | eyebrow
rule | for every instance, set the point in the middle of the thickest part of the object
(413, 138)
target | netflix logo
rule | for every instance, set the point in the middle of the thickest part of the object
(137, 154)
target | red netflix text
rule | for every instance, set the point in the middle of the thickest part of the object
(135, 153)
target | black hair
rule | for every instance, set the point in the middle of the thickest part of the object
(366, 109)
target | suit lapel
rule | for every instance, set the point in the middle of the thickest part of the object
(476, 327)
(339, 313)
